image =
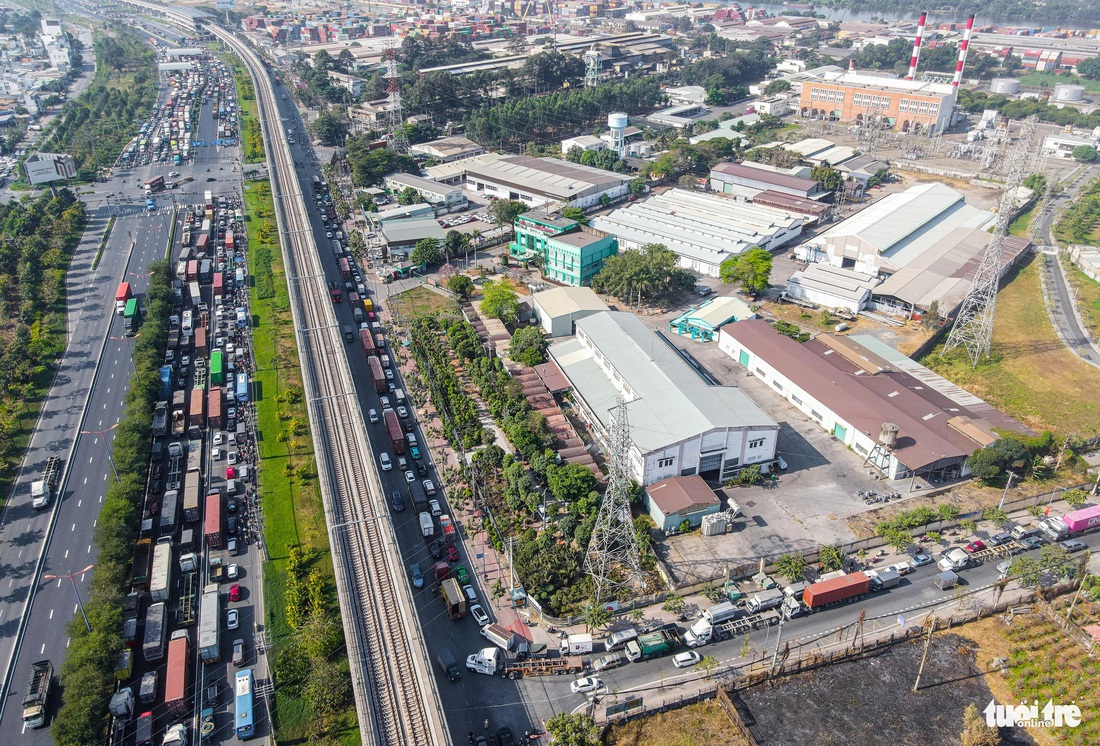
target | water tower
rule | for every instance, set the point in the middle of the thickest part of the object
(616, 123)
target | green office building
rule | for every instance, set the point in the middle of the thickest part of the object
(571, 253)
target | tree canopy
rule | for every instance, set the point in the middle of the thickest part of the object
(643, 275)
(528, 346)
(750, 269)
(500, 301)
(370, 166)
(426, 252)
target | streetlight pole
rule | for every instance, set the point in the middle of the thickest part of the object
(72, 579)
(103, 434)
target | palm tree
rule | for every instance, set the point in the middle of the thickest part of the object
(595, 616)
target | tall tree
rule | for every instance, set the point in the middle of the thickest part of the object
(500, 301)
(643, 275)
(751, 269)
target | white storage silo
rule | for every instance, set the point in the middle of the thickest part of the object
(1069, 93)
(1005, 86)
(616, 123)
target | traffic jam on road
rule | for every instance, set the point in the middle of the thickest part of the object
(188, 581)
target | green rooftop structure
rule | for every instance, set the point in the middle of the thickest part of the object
(703, 322)
(571, 253)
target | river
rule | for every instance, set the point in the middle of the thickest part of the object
(866, 16)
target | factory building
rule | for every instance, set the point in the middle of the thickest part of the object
(541, 181)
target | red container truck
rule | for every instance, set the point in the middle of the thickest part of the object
(836, 590)
(214, 407)
(345, 269)
(397, 435)
(377, 375)
(193, 269)
(230, 241)
(176, 680)
(123, 294)
(197, 411)
(367, 340)
(219, 283)
(200, 342)
(212, 523)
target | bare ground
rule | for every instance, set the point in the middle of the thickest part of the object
(871, 701)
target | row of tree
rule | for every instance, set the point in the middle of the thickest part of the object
(90, 662)
(104, 118)
(37, 238)
(975, 101)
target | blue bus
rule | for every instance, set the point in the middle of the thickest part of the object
(243, 699)
(242, 387)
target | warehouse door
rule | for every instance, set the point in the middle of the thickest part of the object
(743, 358)
(710, 462)
(840, 432)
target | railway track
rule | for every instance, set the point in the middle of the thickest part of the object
(394, 690)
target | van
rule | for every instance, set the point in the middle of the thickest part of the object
(231, 487)
(349, 334)
(427, 525)
(621, 638)
(385, 361)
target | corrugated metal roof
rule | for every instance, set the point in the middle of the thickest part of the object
(668, 402)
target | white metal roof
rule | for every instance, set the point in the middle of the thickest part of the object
(667, 400)
(701, 226)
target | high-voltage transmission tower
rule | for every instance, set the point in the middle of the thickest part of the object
(593, 66)
(612, 559)
(399, 139)
(973, 327)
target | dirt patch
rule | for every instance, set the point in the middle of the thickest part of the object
(871, 701)
(705, 722)
(968, 498)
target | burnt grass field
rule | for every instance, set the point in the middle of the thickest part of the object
(871, 701)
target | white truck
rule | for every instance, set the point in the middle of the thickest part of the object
(427, 525)
(500, 636)
(764, 600)
(42, 489)
(954, 559)
(619, 639)
(576, 645)
(160, 581)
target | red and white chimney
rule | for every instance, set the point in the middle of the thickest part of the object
(916, 46)
(851, 66)
(964, 47)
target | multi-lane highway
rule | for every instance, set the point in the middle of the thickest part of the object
(87, 396)
(394, 689)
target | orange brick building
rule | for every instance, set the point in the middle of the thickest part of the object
(903, 104)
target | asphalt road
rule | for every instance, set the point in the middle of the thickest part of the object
(1060, 304)
(87, 395)
(96, 369)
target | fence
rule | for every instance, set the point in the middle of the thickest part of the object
(748, 674)
(746, 570)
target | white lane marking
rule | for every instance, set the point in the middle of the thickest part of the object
(89, 549)
(51, 614)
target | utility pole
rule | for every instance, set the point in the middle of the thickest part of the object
(924, 655)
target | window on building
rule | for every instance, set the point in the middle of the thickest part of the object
(859, 448)
(690, 472)
(664, 463)
(815, 415)
(796, 400)
(756, 443)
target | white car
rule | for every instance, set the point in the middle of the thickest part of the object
(373, 414)
(232, 458)
(471, 594)
(686, 660)
(479, 615)
(585, 685)
(218, 439)
(920, 560)
(216, 454)
(232, 619)
(384, 459)
(233, 572)
(410, 477)
(433, 506)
